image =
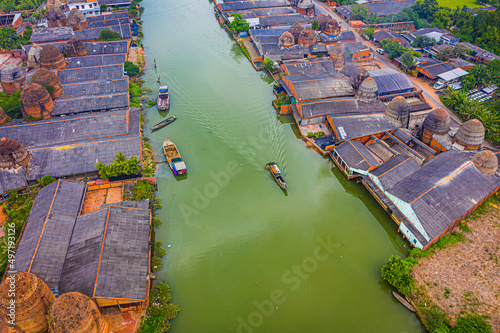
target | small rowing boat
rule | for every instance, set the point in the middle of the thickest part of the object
(164, 123)
(273, 167)
(403, 301)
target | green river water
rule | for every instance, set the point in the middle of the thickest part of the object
(244, 255)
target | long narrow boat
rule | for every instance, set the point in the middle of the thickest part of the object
(174, 158)
(273, 167)
(403, 301)
(164, 123)
(163, 98)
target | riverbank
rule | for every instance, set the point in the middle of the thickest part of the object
(461, 277)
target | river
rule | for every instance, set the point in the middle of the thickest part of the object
(244, 255)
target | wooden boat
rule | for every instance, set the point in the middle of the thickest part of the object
(174, 158)
(403, 301)
(163, 98)
(273, 167)
(164, 123)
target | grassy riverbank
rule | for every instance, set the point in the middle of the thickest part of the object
(454, 284)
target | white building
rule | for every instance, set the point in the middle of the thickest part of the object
(88, 8)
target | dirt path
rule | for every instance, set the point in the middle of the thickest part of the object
(466, 276)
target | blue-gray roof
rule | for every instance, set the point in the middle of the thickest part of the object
(12, 179)
(47, 233)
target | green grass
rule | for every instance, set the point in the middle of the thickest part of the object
(455, 3)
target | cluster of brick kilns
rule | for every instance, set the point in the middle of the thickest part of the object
(37, 310)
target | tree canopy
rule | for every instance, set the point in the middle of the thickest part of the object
(392, 48)
(109, 35)
(120, 166)
(239, 23)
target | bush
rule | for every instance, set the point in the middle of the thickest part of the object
(120, 166)
(46, 180)
(437, 320)
(11, 104)
(131, 68)
(157, 222)
(397, 273)
(104, 7)
(239, 23)
(108, 35)
(160, 311)
(472, 323)
(135, 92)
(315, 25)
(142, 190)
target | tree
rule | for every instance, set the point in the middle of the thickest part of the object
(109, 35)
(9, 39)
(46, 180)
(369, 32)
(239, 23)
(441, 19)
(468, 83)
(120, 166)
(104, 7)
(359, 12)
(397, 273)
(315, 25)
(131, 69)
(267, 64)
(423, 41)
(392, 48)
(408, 60)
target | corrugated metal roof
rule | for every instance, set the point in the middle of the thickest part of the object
(356, 155)
(390, 81)
(453, 74)
(350, 127)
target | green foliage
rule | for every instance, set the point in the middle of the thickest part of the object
(457, 51)
(438, 321)
(135, 92)
(369, 32)
(104, 7)
(408, 60)
(17, 208)
(159, 251)
(120, 166)
(423, 41)
(392, 48)
(359, 12)
(315, 134)
(46, 180)
(156, 222)
(267, 64)
(282, 100)
(142, 190)
(472, 323)
(151, 103)
(160, 312)
(239, 23)
(10, 40)
(315, 25)
(11, 5)
(470, 109)
(397, 273)
(11, 104)
(131, 68)
(245, 51)
(450, 239)
(109, 35)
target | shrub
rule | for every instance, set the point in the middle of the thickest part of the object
(160, 311)
(104, 7)
(131, 68)
(315, 25)
(120, 166)
(157, 222)
(397, 273)
(46, 180)
(239, 23)
(109, 35)
(142, 190)
(11, 104)
(472, 323)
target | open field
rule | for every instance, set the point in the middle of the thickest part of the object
(454, 3)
